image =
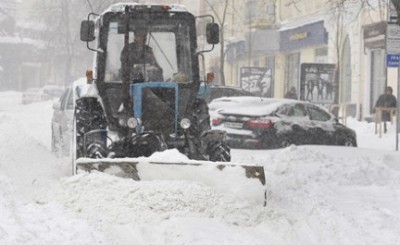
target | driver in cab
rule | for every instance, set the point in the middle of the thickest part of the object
(141, 61)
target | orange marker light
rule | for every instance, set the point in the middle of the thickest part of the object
(210, 77)
(165, 8)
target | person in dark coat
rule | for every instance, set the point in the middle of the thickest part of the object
(291, 94)
(386, 100)
(139, 52)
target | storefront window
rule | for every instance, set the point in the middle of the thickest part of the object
(345, 73)
(270, 63)
(292, 71)
(378, 76)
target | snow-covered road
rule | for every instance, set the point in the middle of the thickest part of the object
(316, 195)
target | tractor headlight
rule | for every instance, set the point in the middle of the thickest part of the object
(122, 122)
(185, 123)
(133, 122)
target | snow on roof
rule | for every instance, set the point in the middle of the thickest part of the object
(254, 106)
(120, 7)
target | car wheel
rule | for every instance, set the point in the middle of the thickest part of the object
(349, 141)
(284, 141)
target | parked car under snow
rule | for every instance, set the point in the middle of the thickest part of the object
(34, 95)
(53, 91)
(62, 120)
(210, 92)
(253, 122)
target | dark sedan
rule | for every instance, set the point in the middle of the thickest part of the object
(276, 123)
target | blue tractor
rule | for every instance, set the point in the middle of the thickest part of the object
(137, 106)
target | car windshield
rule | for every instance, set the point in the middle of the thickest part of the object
(165, 56)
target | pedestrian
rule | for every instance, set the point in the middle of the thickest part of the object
(291, 94)
(386, 100)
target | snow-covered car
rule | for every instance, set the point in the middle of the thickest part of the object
(61, 122)
(209, 93)
(252, 122)
(62, 119)
(53, 91)
(34, 95)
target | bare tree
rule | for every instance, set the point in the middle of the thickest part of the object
(62, 20)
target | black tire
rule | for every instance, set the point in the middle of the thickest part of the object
(219, 151)
(200, 123)
(200, 118)
(283, 141)
(349, 142)
(89, 116)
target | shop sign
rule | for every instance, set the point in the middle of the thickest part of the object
(374, 35)
(305, 36)
(299, 36)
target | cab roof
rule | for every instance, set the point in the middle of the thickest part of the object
(120, 7)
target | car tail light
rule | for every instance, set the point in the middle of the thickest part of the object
(216, 121)
(259, 123)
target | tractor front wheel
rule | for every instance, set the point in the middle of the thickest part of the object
(89, 116)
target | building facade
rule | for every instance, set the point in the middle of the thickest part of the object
(331, 52)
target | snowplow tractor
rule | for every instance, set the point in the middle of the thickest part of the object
(140, 101)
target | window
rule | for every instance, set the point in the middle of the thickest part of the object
(292, 71)
(70, 102)
(270, 9)
(169, 41)
(321, 55)
(317, 114)
(251, 10)
(63, 99)
(298, 111)
(270, 63)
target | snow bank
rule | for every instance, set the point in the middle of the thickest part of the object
(335, 196)
(40, 223)
(316, 195)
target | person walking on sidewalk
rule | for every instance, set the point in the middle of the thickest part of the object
(386, 100)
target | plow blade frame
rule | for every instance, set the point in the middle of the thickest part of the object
(135, 168)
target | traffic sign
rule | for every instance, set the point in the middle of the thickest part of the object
(392, 60)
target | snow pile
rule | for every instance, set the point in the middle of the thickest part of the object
(40, 223)
(148, 207)
(336, 198)
(9, 98)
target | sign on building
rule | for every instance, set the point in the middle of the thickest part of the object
(317, 83)
(256, 80)
(392, 60)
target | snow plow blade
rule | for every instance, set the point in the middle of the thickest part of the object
(243, 181)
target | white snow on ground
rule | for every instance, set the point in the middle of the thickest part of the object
(316, 194)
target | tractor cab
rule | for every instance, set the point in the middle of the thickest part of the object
(145, 43)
